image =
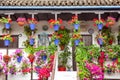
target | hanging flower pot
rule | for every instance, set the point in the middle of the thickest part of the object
(31, 58)
(100, 41)
(56, 41)
(100, 26)
(44, 57)
(6, 58)
(32, 41)
(56, 27)
(62, 47)
(19, 59)
(6, 42)
(77, 42)
(32, 26)
(76, 26)
(61, 68)
(7, 25)
(20, 23)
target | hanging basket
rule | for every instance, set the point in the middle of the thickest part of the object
(20, 23)
(31, 58)
(32, 41)
(6, 58)
(32, 26)
(19, 59)
(56, 42)
(7, 25)
(6, 42)
(77, 42)
(61, 68)
(44, 57)
(56, 27)
(76, 26)
(100, 26)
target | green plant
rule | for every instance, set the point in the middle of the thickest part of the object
(52, 48)
(28, 31)
(74, 20)
(64, 36)
(7, 37)
(64, 57)
(5, 20)
(6, 30)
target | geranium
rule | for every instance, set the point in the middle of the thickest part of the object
(32, 20)
(98, 21)
(54, 22)
(5, 20)
(21, 19)
(44, 73)
(76, 35)
(74, 20)
(7, 37)
(110, 21)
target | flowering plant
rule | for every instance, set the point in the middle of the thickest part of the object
(44, 73)
(74, 20)
(98, 21)
(18, 52)
(76, 35)
(110, 68)
(7, 37)
(21, 19)
(110, 21)
(32, 20)
(25, 67)
(56, 36)
(53, 22)
(5, 20)
(12, 69)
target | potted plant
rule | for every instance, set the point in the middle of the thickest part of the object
(25, 66)
(64, 37)
(100, 39)
(110, 21)
(55, 23)
(32, 22)
(63, 59)
(6, 21)
(99, 23)
(21, 21)
(6, 58)
(31, 40)
(76, 37)
(19, 55)
(12, 69)
(75, 22)
(28, 31)
(55, 38)
(42, 54)
(7, 39)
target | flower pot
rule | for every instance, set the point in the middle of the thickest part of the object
(111, 23)
(7, 25)
(56, 27)
(32, 41)
(100, 26)
(32, 26)
(6, 42)
(6, 58)
(77, 42)
(100, 41)
(76, 26)
(62, 47)
(56, 42)
(31, 58)
(19, 59)
(44, 57)
(61, 68)
(20, 23)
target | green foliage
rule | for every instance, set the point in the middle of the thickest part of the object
(28, 31)
(5, 30)
(64, 40)
(52, 48)
(63, 57)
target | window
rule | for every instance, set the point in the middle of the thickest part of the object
(12, 44)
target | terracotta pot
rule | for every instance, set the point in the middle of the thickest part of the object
(21, 23)
(31, 57)
(6, 58)
(62, 47)
(111, 23)
(61, 68)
